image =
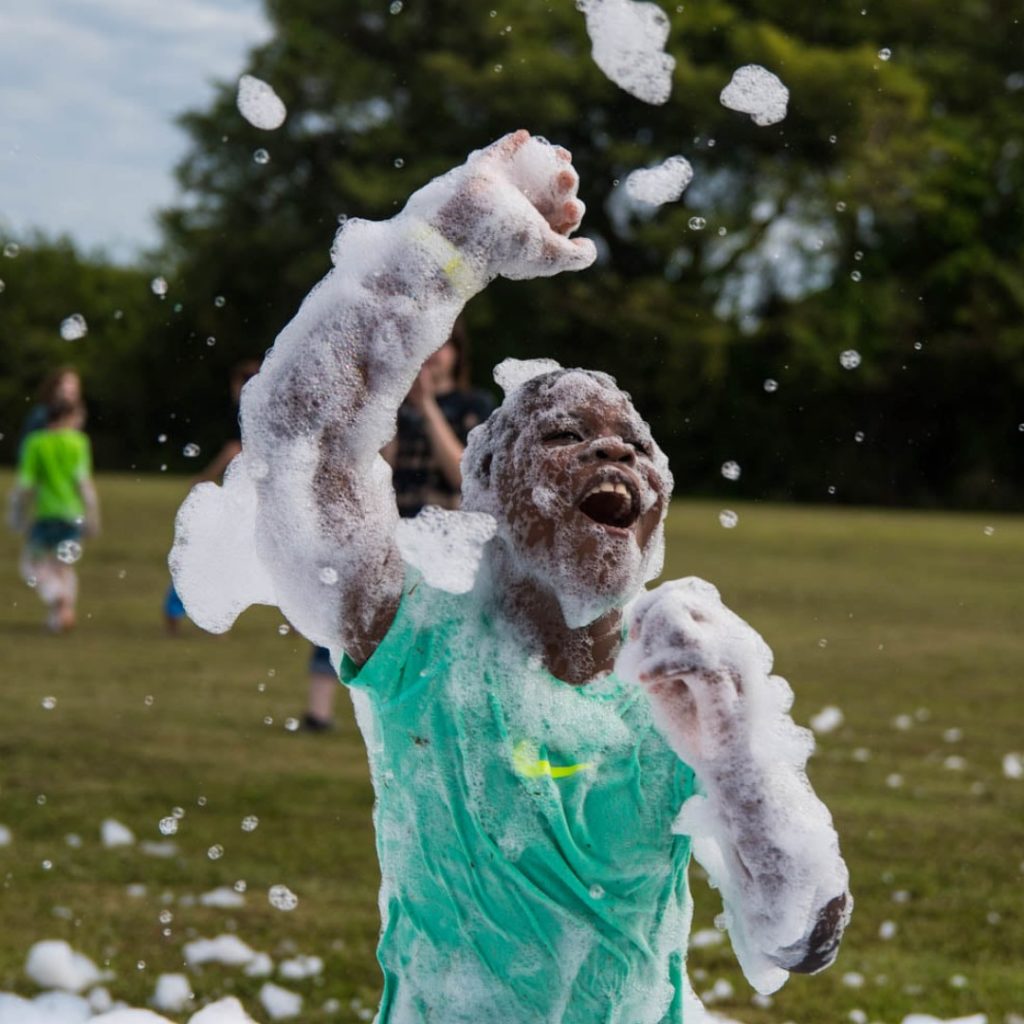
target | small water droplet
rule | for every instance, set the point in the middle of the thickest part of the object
(168, 826)
(833, 139)
(697, 223)
(74, 327)
(596, 892)
(282, 898)
(69, 551)
(49, 703)
(41, 799)
(11, 250)
(219, 301)
(849, 359)
(885, 53)
(989, 530)
(918, 345)
(831, 489)
(211, 341)
(161, 438)
(396, 7)
(190, 451)
(165, 916)
(250, 823)
(240, 885)
(178, 812)
(200, 801)
(2, 286)
(728, 518)
(47, 865)
(498, 69)
(158, 286)
(859, 436)
(855, 276)
(771, 386)
(148, 700)
(291, 724)
(399, 162)
(731, 470)
(140, 965)
(840, 206)
(268, 720)
(284, 629)
(215, 852)
(261, 156)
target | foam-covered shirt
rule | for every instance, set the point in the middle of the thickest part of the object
(53, 463)
(530, 874)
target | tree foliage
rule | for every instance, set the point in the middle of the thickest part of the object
(883, 215)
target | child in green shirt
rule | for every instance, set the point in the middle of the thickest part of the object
(55, 504)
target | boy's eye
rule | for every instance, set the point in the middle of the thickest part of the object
(563, 437)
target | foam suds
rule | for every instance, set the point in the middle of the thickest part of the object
(664, 183)
(259, 104)
(628, 39)
(754, 90)
(766, 841)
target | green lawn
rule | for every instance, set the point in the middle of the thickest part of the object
(881, 614)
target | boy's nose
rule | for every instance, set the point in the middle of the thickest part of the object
(613, 449)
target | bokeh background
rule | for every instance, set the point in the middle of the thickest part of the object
(882, 216)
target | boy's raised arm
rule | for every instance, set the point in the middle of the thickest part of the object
(324, 404)
(764, 837)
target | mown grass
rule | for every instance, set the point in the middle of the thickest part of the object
(881, 614)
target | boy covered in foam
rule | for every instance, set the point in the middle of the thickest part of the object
(548, 740)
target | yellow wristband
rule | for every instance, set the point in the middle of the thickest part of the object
(449, 259)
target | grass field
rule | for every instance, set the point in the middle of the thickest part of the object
(881, 614)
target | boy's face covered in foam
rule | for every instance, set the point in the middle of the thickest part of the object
(582, 490)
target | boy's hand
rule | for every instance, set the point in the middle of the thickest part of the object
(511, 208)
(695, 658)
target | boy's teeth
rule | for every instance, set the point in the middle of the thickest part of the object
(607, 486)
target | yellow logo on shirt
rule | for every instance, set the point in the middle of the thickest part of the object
(527, 762)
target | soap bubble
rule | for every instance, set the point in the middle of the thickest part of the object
(49, 703)
(158, 286)
(399, 162)
(190, 451)
(697, 223)
(284, 629)
(215, 852)
(261, 156)
(73, 327)
(250, 823)
(291, 724)
(178, 812)
(885, 53)
(219, 301)
(2, 286)
(11, 250)
(859, 436)
(849, 359)
(855, 276)
(731, 470)
(596, 892)
(395, 7)
(69, 551)
(989, 530)
(168, 826)
(771, 386)
(282, 898)
(728, 518)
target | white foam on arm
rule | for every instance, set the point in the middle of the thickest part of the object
(765, 839)
(309, 506)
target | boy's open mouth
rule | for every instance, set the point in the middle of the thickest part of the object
(612, 501)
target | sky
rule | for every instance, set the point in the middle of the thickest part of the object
(89, 91)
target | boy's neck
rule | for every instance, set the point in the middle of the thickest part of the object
(574, 655)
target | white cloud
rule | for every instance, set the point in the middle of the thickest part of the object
(88, 93)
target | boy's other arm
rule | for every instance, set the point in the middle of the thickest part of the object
(774, 852)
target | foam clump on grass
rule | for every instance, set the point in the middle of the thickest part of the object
(280, 1003)
(172, 994)
(114, 834)
(224, 949)
(224, 897)
(628, 44)
(754, 90)
(52, 963)
(664, 183)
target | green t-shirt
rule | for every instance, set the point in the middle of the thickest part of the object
(53, 463)
(529, 870)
